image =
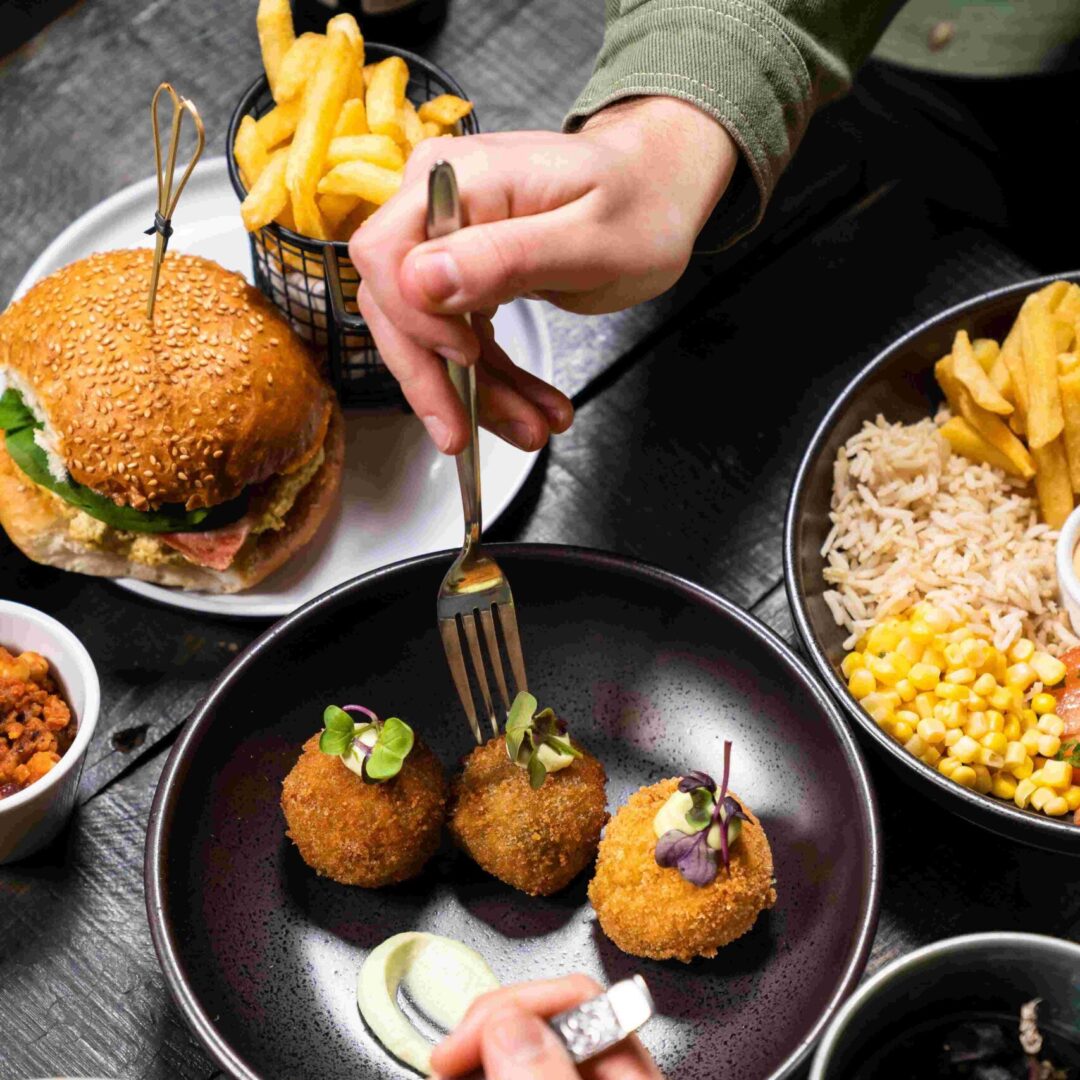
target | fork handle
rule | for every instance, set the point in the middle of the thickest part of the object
(468, 461)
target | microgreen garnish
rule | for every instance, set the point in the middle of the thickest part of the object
(690, 853)
(1069, 752)
(375, 759)
(528, 731)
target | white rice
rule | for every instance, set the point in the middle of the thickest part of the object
(913, 521)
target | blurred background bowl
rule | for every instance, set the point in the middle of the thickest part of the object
(990, 974)
(32, 817)
(899, 384)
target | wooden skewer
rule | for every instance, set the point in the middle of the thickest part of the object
(168, 196)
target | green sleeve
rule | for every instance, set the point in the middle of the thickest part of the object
(760, 67)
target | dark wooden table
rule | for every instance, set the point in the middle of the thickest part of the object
(682, 454)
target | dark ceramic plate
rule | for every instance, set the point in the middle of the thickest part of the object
(898, 383)
(653, 674)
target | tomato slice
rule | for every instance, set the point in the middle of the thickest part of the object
(1068, 694)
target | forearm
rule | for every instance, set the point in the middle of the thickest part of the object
(759, 67)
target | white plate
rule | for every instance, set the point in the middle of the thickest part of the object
(399, 495)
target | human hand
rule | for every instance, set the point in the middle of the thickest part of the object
(503, 1032)
(593, 222)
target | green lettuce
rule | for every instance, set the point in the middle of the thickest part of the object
(19, 424)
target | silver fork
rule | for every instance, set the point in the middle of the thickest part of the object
(474, 587)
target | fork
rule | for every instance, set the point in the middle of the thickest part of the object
(474, 589)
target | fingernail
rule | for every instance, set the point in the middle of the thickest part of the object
(515, 432)
(439, 275)
(439, 432)
(518, 1035)
(453, 356)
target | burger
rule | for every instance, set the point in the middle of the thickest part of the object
(201, 449)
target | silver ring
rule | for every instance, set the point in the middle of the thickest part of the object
(601, 1022)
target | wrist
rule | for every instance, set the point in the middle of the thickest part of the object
(675, 143)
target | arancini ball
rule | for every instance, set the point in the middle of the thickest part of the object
(535, 839)
(652, 911)
(363, 833)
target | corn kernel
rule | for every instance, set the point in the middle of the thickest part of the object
(951, 692)
(994, 720)
(976, 725)
(1057, 774)
(906, 689)
(861, 683)
(983, 782)
(1011, 730)
(954, 655)
(1004, 786)
(1024, 770)
(1041, 796)
(948, 765)
(1072, 797)
(924, 676)
(1051, 724)
(915, 745)
(920, 633)
(936, 619)
(976, 703)
(1049, 669)
(962, 675)
(882, 638)
(910, 649)
(996, 741)
(975, 652)
(1024, 790)
(985, 684)
(851, 663)
(1043, 703)
(934, 658)
(1030, 741)
(1055, 807)
(964, 749)
(1023, 649)
(1049, 745)
(990, 758)
(902, 731)
(883, 669)
(965, 775)
(1020, 675)
(1015, 754)
(959, 634)
(931, 756)
(953, 736)
(1001, 698)
(931, 731)
(924, 705)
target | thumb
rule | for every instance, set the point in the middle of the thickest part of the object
(518, 1045)
(486, 265)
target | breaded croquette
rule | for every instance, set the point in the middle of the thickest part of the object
(653, 911)
(535, 839)
(363, 833)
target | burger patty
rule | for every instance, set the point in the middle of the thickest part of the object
(268, 505)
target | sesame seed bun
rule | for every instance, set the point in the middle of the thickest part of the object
(216, 394)
(35, 521)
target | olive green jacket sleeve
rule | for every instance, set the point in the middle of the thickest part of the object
(760, 67)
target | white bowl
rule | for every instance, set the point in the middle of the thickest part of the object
(1068, 582)
(31, 818)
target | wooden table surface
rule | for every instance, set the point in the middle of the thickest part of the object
(682, 454)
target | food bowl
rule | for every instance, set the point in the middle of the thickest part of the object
(991, 973)
(31, 818)
(653, 673)
(300, 274)
(1068, 582)
(899, 384)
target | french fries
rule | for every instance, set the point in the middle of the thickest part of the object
(335, 144)
(1026, 389)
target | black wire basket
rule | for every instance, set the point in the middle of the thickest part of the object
(300, 274)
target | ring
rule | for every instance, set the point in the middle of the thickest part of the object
(599, 1023)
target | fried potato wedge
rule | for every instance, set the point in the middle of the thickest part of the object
(378, 149)
(278, 125)
(250, 154)
(385, 97)
(268, 197)
(446, 109)
(362, 179)
(972, 374)
(1069, 385)
(299, 65)
(968, 443)
(352, 120)
(273, 21)
(1038, 345)
(1052, 484)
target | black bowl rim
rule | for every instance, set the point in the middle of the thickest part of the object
(996, 815)
(164, 807)
(260, 83)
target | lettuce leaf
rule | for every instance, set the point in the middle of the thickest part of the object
(18, 424)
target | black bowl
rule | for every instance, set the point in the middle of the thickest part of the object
(653, 673)
(898, 383)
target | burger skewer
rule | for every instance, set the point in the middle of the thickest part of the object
(167, 196)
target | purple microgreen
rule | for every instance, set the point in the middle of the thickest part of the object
(527, 730)
(721, 802)
(689, 854)
(699, 816)
(697, 780)
(361, 709)
(337, 736)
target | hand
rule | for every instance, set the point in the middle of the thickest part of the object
(593, 222)
(504, 1033)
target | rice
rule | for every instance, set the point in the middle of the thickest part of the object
(913, 521)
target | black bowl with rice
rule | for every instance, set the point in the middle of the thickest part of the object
(994, 559)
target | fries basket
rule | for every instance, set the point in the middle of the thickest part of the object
(312, 282)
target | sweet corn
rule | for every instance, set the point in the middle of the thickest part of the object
(1043, 703)
(982, 716)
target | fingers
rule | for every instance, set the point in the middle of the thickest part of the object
(518, 1045)
(460, 1052)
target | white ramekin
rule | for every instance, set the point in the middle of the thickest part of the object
(1068, 582)
(31, 818)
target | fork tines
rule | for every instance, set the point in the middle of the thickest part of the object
(464, 623)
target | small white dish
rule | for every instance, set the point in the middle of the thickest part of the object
(399, 495)
(1068, 581)
(33, 817)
